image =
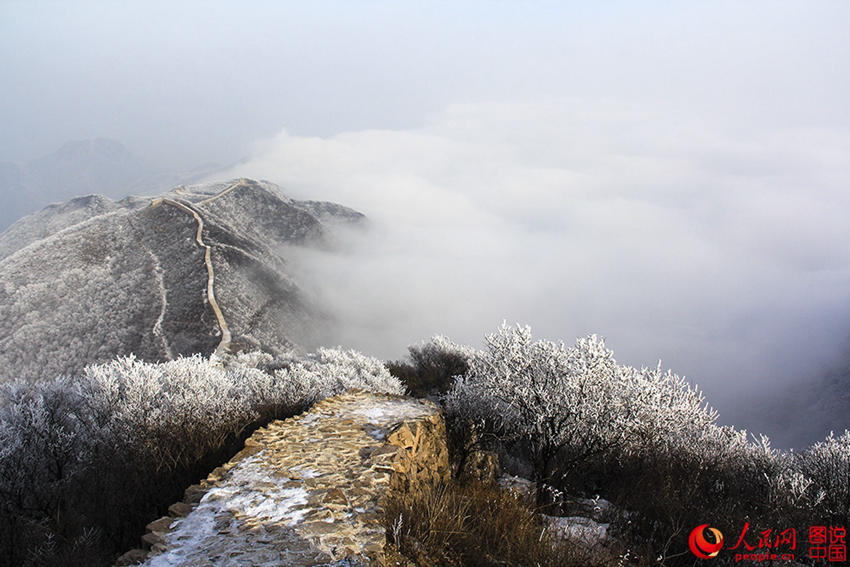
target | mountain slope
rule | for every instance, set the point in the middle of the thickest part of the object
(94, 278)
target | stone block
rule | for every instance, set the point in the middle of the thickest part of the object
(193, 494)
(180, 509)
(132, 557)
(161, 525)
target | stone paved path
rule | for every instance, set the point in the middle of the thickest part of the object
(307, 490)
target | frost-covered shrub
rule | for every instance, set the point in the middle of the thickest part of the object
(179, 410)
(330, 371)
(723, 474)
(172, 413)
(570, 405)
(94, 458)
(432, 366)
(644, 438)
(44, 450)
(827, 464)
(41, 436)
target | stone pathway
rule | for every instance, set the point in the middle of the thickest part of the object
(306, 490)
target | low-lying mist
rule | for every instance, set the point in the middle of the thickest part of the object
(719, 250)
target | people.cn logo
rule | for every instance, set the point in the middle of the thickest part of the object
(703, 548)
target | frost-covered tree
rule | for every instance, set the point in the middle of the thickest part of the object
(551, 398)
(666, 412)
(827, 464)
(44, 450)
(569, 405)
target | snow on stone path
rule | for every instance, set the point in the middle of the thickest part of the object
(307, 490)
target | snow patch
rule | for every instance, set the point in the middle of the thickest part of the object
(392, 411)
(303, 472)
(163, 294)
(579, 529)
(309, 419)
(250, 493)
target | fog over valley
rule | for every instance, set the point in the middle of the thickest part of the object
(721, 254)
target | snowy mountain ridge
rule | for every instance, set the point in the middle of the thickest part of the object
(90, 279)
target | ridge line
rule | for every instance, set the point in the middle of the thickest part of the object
(243, 182)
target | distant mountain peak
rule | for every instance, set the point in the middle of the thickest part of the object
(99, 165)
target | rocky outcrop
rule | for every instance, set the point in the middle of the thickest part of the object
(307, 490)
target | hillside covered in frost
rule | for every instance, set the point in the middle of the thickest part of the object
(84, 281)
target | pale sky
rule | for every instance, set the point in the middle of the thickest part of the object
(198, 81)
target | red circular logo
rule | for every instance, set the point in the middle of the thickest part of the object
(703, 548)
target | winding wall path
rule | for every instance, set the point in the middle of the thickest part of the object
(224, 344)
(241, 183)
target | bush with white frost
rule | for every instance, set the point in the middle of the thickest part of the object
(86, 462)
(178, 410)
(43, 437)
(827, 464)
(570, 405)
(330, 371)
(644, 438)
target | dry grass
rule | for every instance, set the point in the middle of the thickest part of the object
(477, 525)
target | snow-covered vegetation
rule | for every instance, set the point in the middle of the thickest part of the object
(580, 423)
(827, 464)
(86, 461)
(568, 405)
(95, 290)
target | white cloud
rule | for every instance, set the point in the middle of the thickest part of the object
(722, 253)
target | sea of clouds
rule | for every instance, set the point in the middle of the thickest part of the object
(721, 251)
